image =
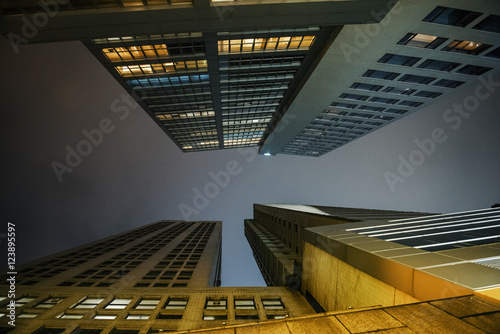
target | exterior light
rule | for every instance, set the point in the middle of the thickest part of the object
(267, 154)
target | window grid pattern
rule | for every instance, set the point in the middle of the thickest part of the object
(282, 43)
(55, 266)
(177, 267)
(161, 68)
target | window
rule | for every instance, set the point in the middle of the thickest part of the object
(118, 303)
(266, 44)
(26, 315)
(88, 303)
(371, 108)
(215, 317)
(427, 94)
(244, 304)
(276, 316)
(473, 70)
(49, 330)
(493, 54)
(467, 47)
(137, 317)
(176, 303)
(216, 304)
(48, 303)
(400, 91)
(363, 86)
(380, 75)
(353, 97)
(410, 103)
(135, 52)
(383, 100)
(124, 331)
(273, 304)
(393, 59)
(451, 16)
(491, 24)
(246, 317)
(438, 65)
(104, 316)
(417, 79)
(169, 316)
(422, 41)
(448, 83)
(23, 301)
(147, 304)
(343, 105)
(72, 316)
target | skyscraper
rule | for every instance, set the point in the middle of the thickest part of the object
(344, 258)
(299, 78)
(162, 277)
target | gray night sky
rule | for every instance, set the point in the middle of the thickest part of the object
(50, 93)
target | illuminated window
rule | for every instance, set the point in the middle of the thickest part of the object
(216, 304)
(48, 303)
(145, 69)
(422, 41)
(104, 316)
(176, 303)
(72, 316)
(118, 303)
(147, 304)
(23, 301)
(136, 52)
(273, 304)
(137, 317)
(88, 303)
(451, 16)
(467, 47)
(266, 44)
(244, 304)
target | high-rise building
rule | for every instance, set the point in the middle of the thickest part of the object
(343, 258)
(297, 77)
(162, 277)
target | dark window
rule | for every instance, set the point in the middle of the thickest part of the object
(246, 317)
(393, 59)
(371, 108)
(473, 70)
(383, 100)
(438, 65)
(494, 54)
(396, 111)
(491, 24)
(448, 83)
(169, 316)
(422, 41)
(467, 47)
(418, 79)
(45, 330)
(396, 90)
(380, 74)
(451, 16)
(343, 105)
(427, 94)
(353, 97)
(410, 103)
(363, 86)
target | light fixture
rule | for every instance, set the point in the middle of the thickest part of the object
(267, 154)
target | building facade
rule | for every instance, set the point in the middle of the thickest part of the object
(162, 277)
(299, 77)
(353, 258)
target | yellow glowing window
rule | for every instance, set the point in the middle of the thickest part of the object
(468, 47)
(136, 52)
(136, 70)
(273, 43)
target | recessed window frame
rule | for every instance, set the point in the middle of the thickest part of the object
(421, 41)
(466, 47)
(383, 75)
(395, 59)
(451, 16)
(475, 70)
(212, 303)
(272, 304)
(438, 65)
